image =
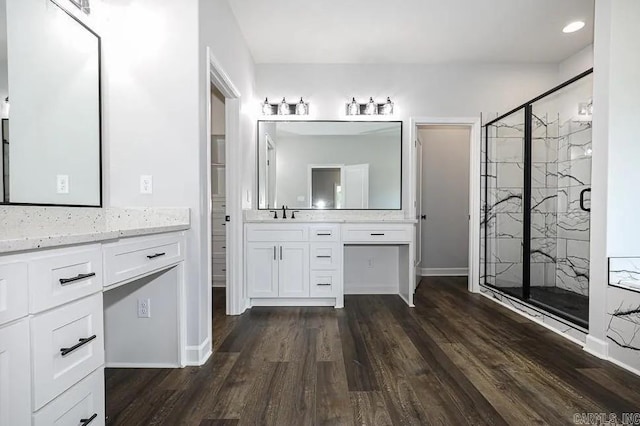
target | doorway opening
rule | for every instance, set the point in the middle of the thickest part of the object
(218, 205)
(444, 200)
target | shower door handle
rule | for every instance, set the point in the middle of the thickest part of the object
(582, 206)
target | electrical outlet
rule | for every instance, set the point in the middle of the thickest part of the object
(62, 184)
(146, 184)
(144, 308)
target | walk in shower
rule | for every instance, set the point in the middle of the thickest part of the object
(536, 184)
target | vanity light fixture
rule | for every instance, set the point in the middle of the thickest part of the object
(369, 108)
(83, 5)
(284, 108)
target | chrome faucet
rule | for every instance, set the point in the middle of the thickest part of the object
(284, 211)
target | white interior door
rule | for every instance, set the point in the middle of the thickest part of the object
(418, 200)
(355, 186)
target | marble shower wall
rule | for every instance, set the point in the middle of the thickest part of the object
(502, 187)
(574, 176)
(623, 309)
(561, 169)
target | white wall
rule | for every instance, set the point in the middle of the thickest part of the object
(445, 196)
(417, 90)
(575, 64)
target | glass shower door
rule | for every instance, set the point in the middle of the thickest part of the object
(560, 194)
(503, 220)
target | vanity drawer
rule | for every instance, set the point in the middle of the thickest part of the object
(377, 234)
(78, 329)
(325, 256)
(324, 233)
(64, 275)
(14, 291)
(277, 233)
(324, 283)
(219, 244)
(84, 401)
(126, 260)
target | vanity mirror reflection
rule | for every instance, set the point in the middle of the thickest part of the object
(330, 164)
(50, 99)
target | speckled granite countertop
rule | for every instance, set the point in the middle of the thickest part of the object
(329, 216)
(30, 227)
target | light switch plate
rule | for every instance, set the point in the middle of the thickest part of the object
(146, 184)
(62, 184)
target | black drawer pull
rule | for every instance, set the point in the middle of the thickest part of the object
(323, 235)
(224, 270)
(65, 281)
(324, 284)
(85, 422)
(67, 351)
(377, 235)
(324, 257)
(153, 256)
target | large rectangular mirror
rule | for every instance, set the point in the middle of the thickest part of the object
(330, 164)
(50, 98)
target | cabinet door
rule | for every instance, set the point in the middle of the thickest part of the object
(262, 270)
(15, 374)
(294, 270)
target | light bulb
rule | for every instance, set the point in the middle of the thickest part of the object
(353, 108)
(283, 108)
(266, 107)
(301, 108)
(371, 107)
(388, 107)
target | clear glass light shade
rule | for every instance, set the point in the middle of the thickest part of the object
(266, 107)
(371, 107)
(283, 108)
(353, 108)
(387, 109)
(301, 108)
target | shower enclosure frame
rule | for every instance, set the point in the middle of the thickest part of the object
(527, 107)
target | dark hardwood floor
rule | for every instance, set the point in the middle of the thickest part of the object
(455, 359)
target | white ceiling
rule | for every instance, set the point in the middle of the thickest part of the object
(412, 31)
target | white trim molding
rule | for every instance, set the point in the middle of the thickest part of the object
(474, 184)
(597, 347)
(198, 355)
(444, 272)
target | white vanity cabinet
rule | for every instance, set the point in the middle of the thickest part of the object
(54, 324)
(303, 264)
(277, 262)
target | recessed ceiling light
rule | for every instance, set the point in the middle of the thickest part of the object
(573, 27)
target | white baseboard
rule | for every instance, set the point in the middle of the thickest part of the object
(198, 355)
(625, 366)
(444, 272)
(372, 289)
(597, 347)
(140, 365)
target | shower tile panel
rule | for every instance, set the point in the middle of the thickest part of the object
(544, 200)
(509, 225)
(574, 225)
(508, 274)
(506, 129)
(544, 150)
(508, 250)
(506, 150)
(543, 225)
(505, 200)
(572, 278)
(625, 272)
(543, 250)
(510, 175)
(574, 172)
